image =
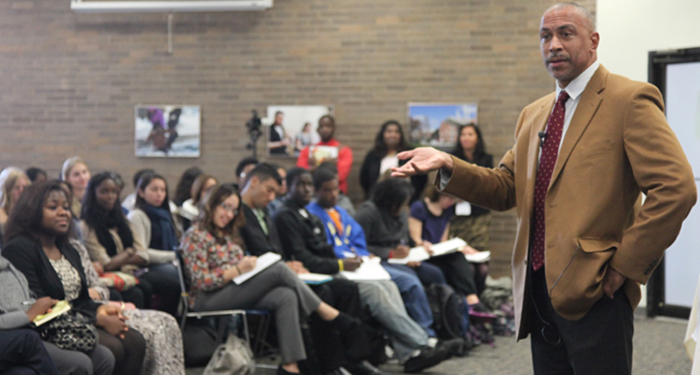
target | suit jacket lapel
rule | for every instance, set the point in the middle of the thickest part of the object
(586, 109)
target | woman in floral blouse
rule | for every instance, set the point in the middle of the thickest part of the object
(213, 256)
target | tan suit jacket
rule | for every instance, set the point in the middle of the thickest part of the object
(617, 145)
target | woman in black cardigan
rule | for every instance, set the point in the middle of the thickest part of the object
(473, 228)
(388, 143)
(37, 234)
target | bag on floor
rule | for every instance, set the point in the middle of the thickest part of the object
(199, 342)
(233, 357)
(450, 312)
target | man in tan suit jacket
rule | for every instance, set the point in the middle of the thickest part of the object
(598, 239)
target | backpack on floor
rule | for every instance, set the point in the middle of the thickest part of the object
(450, 312)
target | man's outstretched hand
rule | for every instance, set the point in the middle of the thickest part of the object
(422, 160)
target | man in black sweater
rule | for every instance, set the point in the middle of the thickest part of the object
(303, 238)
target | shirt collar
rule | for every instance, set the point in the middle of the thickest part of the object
(577, 85)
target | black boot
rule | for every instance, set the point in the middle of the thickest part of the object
(345, 323)
(427, 358)
(364, 368)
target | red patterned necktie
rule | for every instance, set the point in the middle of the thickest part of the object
(548, 158)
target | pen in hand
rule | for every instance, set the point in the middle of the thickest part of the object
(356, 254)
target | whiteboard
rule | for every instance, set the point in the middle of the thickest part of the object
(682, 259)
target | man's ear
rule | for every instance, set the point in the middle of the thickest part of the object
(254, 181)
(595, 41)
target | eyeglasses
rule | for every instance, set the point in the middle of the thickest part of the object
(229, 208)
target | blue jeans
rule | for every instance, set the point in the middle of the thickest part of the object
(408, 281)
(384, 302)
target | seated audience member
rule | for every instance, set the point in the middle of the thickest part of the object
(22, 347)
(109, 237)
(343, 200)
(244, 166)
(12, 184)
(76, 173)
(23, 353)
(36, 175)
(384, 220)
(474, 227)
(182, 190)
(303, 237)
(281, 195)
(153, 223)
(213, 256)
(164, 347)
(379, 160)
(38, 246)
(260, 236)
(190, 208)
(130, 200)
(429, 224)
(311, 160)
(347, 238)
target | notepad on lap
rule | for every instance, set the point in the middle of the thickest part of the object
(264, 261)
(480, 257)
(314, 278)
(370, 270)
(60, 308)
(418, 253)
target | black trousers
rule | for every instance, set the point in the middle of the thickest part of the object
(598, 343)
(22, 352)
(128, 352)
(331, 350)
(458, 272)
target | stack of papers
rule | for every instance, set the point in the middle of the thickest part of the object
(314, 278)
(480, 257)
(60, 308)
(264, 261)
(418, 254)
(370, 270)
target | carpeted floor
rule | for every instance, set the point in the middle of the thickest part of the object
(658, 349)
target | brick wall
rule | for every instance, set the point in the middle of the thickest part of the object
(70, 81)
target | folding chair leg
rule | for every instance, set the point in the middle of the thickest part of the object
(223, 322)
(258, 335)
(183, 321)
(246, 332)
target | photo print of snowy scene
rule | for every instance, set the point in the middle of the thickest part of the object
(167, 131)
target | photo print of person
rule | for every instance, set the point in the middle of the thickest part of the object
(167, 131)
(436, 125)
(290, 128)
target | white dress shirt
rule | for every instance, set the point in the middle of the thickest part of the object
(574, 89)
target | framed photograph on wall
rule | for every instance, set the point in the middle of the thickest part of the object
(290, 128)
(437, 125)
(167, 131)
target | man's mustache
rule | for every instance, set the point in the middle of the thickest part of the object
(558, 57)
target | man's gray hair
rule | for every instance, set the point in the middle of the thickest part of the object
(590, 20)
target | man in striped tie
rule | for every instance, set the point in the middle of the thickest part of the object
(581, 159)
